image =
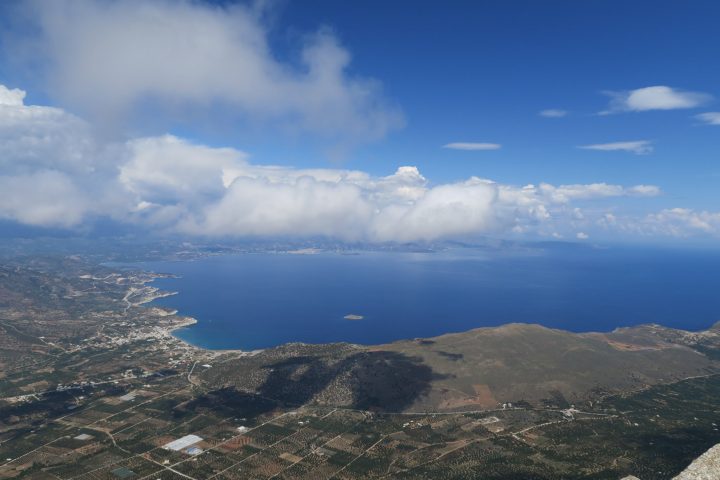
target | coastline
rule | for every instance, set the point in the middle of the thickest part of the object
(643, 344)
(149, 294)
(144, 294)
(185, 321)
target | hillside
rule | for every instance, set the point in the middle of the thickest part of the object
(475, 370)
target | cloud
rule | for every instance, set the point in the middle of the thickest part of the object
(472, 146)
(568, 193)
(682, 222)
(553, 113)
(644, 191)
(443, 211)
(638, 147)
(658, 97)
(167, 168)
(304, 207)
(711, 118)
(670, 222)
(45, 198)
(33, 137)
(582, 236)
(55, 172)
(402, 207)
(112, 59)
(11, 97)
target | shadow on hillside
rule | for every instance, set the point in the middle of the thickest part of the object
(383, 381)
(226, 402)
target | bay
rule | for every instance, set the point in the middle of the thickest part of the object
(259, 300)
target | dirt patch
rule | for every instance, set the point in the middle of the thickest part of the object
(483, 398)
(632, 347)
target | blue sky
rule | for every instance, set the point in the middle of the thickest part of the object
(370, 87)
(481, 71)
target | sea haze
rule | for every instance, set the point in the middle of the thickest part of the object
(250, 301)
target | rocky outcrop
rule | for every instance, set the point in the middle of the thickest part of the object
(705, 467)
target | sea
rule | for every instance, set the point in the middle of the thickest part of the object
(258, 300)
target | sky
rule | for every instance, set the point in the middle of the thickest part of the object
(363, 121)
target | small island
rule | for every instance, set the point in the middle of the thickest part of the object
(353, 317)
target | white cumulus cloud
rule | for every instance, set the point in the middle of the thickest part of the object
(657, 97)
(670, 222)
(168, 168)
(568, 193)
(11, 97)
(682, 222)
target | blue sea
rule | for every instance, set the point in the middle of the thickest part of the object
(259, 300)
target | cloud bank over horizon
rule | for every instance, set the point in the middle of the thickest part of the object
(110, 79)
(55, 173)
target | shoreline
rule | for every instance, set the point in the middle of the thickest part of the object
(153, 293)
(186, 321)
